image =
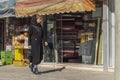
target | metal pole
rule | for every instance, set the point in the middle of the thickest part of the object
(105, 29)
(112, 32)
(55, 44)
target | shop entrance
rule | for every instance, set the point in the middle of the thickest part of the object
(49, 50)
(1, 35)
(77, 37)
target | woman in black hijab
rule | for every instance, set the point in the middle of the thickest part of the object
(36, 38)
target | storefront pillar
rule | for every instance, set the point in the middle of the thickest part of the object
(105, 29)
(112, 32)
(6, 33)
(117, 39)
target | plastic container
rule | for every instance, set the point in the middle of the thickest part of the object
(19, 54)
(6, 57)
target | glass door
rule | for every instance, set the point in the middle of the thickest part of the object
(49, 55)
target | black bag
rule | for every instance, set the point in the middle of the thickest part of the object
(29, 56)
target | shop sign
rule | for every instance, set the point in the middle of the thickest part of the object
(7, 8)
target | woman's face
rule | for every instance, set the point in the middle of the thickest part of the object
(38, 18)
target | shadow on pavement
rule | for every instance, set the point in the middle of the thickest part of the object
(53, 70)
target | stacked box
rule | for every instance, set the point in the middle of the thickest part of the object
(19, 54)
(19, 59)
(6, 57)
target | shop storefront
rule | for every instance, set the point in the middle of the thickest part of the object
(104, 45)
(76, 36)
(73, 20)
(76, 32)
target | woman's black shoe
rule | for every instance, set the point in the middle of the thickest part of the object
(35, 71)
(31, 67)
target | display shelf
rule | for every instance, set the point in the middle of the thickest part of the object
(76, 28)
(20, 45)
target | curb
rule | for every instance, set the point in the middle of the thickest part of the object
(77, 67)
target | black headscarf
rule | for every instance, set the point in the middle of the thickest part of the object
(34, 22)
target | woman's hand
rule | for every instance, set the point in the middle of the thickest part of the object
(29, 47)
(46, 43)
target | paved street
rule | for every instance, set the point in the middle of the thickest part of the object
(11, 72)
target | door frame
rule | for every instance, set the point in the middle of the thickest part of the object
(2, 21)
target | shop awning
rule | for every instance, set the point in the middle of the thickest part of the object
(7, 8)
(46, 7)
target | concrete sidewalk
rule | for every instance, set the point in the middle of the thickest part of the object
(11, 72)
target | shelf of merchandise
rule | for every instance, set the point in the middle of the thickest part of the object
(70, 28)
(20, 41)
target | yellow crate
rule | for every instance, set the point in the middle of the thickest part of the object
(20, 63)
(19, 55)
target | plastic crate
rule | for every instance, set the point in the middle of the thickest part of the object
(6, 61)
(6, 54)
(6, 57)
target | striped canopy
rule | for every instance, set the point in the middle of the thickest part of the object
(46, 7)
